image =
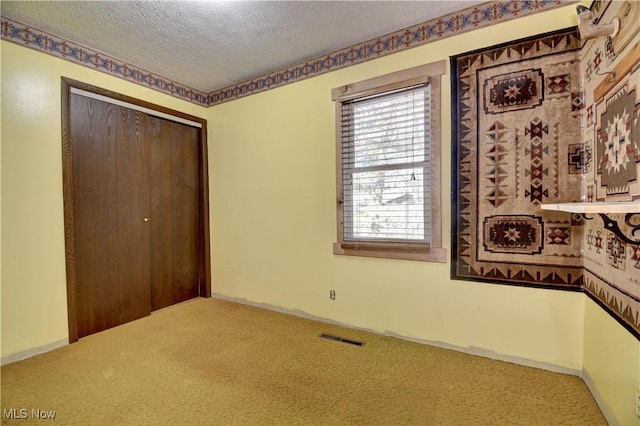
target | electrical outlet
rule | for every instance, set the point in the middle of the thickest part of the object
(332, 294)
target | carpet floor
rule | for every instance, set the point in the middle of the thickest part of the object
(209, 361)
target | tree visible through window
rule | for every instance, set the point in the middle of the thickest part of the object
(384, 158)
(386, 166)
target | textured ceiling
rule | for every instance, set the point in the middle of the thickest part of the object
(208, 45)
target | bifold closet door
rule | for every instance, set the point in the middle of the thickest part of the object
(175, 212)
(136, 191)
(110, 155)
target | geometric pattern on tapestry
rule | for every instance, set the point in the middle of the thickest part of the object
(516, 146)
(611, 164)
(577, 102)
(536, 148)
(577, 158)
(559, 235)
(617, 143)
(513, 234)
(634, 252)
(513, 91)
(619, 302)
(615, 251)
(559, 84)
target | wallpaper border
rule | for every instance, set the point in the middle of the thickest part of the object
(477, 17)
(59, 47)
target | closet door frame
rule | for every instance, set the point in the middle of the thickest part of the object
(68, 197)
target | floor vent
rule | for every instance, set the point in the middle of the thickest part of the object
(341, 339)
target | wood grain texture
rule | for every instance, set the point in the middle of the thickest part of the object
(175, 213)
(111, 199)
(125, 140)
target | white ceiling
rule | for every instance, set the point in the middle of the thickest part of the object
(209, 45)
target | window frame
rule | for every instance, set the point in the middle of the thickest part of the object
(429, 252)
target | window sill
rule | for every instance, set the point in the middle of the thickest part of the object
(431, 255)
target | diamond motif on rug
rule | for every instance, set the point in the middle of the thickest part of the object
(618, 144)
(558, 235)
(497, 164)
(513, 91)
(513, 234)
(558, 84)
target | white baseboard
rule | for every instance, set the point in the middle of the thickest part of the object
(602, 404)
(469, 350)
(9, 359)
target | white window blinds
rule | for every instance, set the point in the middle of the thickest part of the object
(386, 166)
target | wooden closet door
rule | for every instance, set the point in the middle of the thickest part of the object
(175, 212)
(111, 201)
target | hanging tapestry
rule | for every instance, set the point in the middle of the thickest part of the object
(517, 145)
(610, 69)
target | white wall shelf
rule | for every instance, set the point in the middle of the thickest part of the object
(596, 207)
(630, 209)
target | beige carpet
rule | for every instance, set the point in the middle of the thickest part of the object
(209, 361)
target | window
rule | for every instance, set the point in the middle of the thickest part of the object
(388, 165)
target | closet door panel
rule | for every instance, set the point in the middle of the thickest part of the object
(111, 193)
(132, 232)
(162, 275)
(175, 239)
(186, 237)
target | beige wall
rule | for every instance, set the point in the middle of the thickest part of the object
(273, 224)
(34, 301)
(611, 365)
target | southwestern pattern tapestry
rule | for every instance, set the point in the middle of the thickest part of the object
(610, 69)
(516, 145)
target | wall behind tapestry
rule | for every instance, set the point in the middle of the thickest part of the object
(517, 145)
(610, 68)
